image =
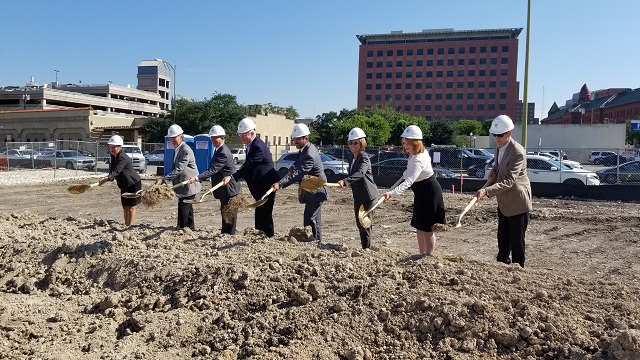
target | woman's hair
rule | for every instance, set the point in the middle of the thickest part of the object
(418, 146)
(363, 143)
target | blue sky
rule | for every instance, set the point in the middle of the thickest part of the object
(304, 53)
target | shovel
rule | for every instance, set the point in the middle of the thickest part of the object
(140, 193)
(79, 189)
(194, 201)
(363, 216)
(473, 201)
(262, 200)
(313, 183)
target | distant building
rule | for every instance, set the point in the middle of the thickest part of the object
(83, 112)
(441, 73)
(609, 106)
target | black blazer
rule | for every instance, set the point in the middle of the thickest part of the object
(360, 179)
(222, 165)
(307, 163)
(257, 170)
(121, 169)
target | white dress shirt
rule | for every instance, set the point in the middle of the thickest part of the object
(418, 169)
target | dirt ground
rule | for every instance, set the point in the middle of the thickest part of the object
(75, 282)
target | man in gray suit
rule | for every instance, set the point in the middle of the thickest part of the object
(184, 167)
(509, 183)
(307, 163)
(221, 165)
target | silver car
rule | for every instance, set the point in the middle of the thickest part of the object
(330, 164)
(70, 159)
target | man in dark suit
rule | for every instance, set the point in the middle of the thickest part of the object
(221, 165)
(258, 172)
(307, 163)
(509, 183)
(184, 167)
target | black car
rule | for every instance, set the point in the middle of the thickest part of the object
(396, 166)
(479, 170)
(383, 155)
(629, 172)
(612, 160)
(455, 158)
(339, 153)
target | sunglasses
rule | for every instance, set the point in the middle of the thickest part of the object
(354, 142)
(500, 135)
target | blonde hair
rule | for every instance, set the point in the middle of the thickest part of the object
(418, 146)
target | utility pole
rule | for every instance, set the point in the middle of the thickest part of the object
(526, 80)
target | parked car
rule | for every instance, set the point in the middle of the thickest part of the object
(570, 163)
(595, 156)
(386, 155)
(543, 169)
(480, 170)
(339, 153)
(396, 166)
(480, 152)
(455, 158)
(612, 160)
(139, 161)
(557, 153)
(21, 154)
(239, 155)
(330, 164)
(628, 172)
(70, 159)
(155, 157)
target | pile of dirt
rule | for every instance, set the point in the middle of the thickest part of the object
(156, 195)
(90, 287)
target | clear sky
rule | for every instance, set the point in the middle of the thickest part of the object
(304, 53)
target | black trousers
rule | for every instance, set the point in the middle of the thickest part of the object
(185, 213)
(511, 230)
(365, 234)
(313, 216)
(264, 216)
(230, 227)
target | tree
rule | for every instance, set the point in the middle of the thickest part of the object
(376, 127)
(154, 129)
(442, 132)
(632, 136)
(466, 127)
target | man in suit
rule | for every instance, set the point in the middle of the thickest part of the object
(509, 183)
(258, 172)
(221, 165)
(307, 163)
(360, 178)
(184, 167)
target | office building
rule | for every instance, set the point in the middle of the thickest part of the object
(441, 73)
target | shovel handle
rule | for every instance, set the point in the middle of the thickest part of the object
(332, 184)
(181, 184)
(366, 213)
(266, 194)
(214, 188)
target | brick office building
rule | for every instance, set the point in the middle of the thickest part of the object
(441, 73)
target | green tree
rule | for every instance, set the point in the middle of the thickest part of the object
(466, 127)
(154, 129)
(632, 136)
(442, 132)
(376, 127)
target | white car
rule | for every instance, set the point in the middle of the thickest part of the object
(331, 165)
(570, 163)
(239, 155)
(543, 169)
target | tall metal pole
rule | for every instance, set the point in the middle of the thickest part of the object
(57, 71)
(175, 103)
(526, 79)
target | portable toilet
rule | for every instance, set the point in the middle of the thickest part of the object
(169, 152)
(203, 151)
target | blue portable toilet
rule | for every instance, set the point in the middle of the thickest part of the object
(203, 151)
(169, 152)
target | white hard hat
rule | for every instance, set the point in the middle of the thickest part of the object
(216, 130)
(245, 125)
(412, 132)
(501, 125)
(115, 140)
(356, 133)
(174, 130)
(299, 130)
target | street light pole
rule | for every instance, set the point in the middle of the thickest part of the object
(173, 96)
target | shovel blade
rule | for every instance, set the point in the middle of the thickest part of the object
(131, 195)
(257, 203)
(194, 201)
(365, 221)
(312, 183)
(78, 189)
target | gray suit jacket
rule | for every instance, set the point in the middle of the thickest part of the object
(184, 167)
(509, 182)
(307, 163)
(222, 165)
(360, 179)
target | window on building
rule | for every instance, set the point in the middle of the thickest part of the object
(505, 48)
(428, 96)
(379, 75)
(438, 85)
(420, 52)
(417, 96)
(409, 63)
(398, 74)
(460, 62)
(472, 61)
(492, 72)
(503, 72)
(429, 51)
(448, 96)
(472, 50)
(389, 52)
(494, 49)
(419, 63)
(439, 74)
(503, 84)
(471, 73)
(480, 96)
(448, 107)
(418, 74)
(481, 84)
(409, 52)
(451, 51)
(449, 84)
(492, 106)
(482, 72)
(449, 73)
(369, 76)
(492, 95)
(387, 86)
(389, 63)
(459, 107)
(387, 97)
(370, 53)
(492, 84)
(379, 52)
(503, 95)
(367, 97)
(469, 96)
(438, 107)
(399, 52)
(459, 96)
(427, 107)
(440, 51)
(469, 107)
(398, 97)
(440, 62)
(388, 75)
(398, 63)
(378, 64)
(480, 107)
(369, 64)
(429, 74)
(428, 85)
(418, 85)
(461, 50)
(483, 61)
(378, 86)
(494, 61)
(407, 86)
(408, 75)
(378, 97)
(368, 86)
(460, 73)
(502, 107)
(438, 96)
(471, 84)
(504, 60)
(398, 86)
(407, 96)
(429, 62)
(483, 49)
(417, 108)
(450, 62)
(407, 108)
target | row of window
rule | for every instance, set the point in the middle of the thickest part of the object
(459, 96)
(439, 85)
(479, 107)
(440, 62)
(439, 74)
(441, 51)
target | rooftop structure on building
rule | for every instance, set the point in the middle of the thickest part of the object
(441, 73)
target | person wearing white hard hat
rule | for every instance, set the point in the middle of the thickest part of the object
(360, 179)
(308, 162)
(258, 172)
(221, 165)
(428, 204)
(121, 170)
(183, 167)
(509, 184)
